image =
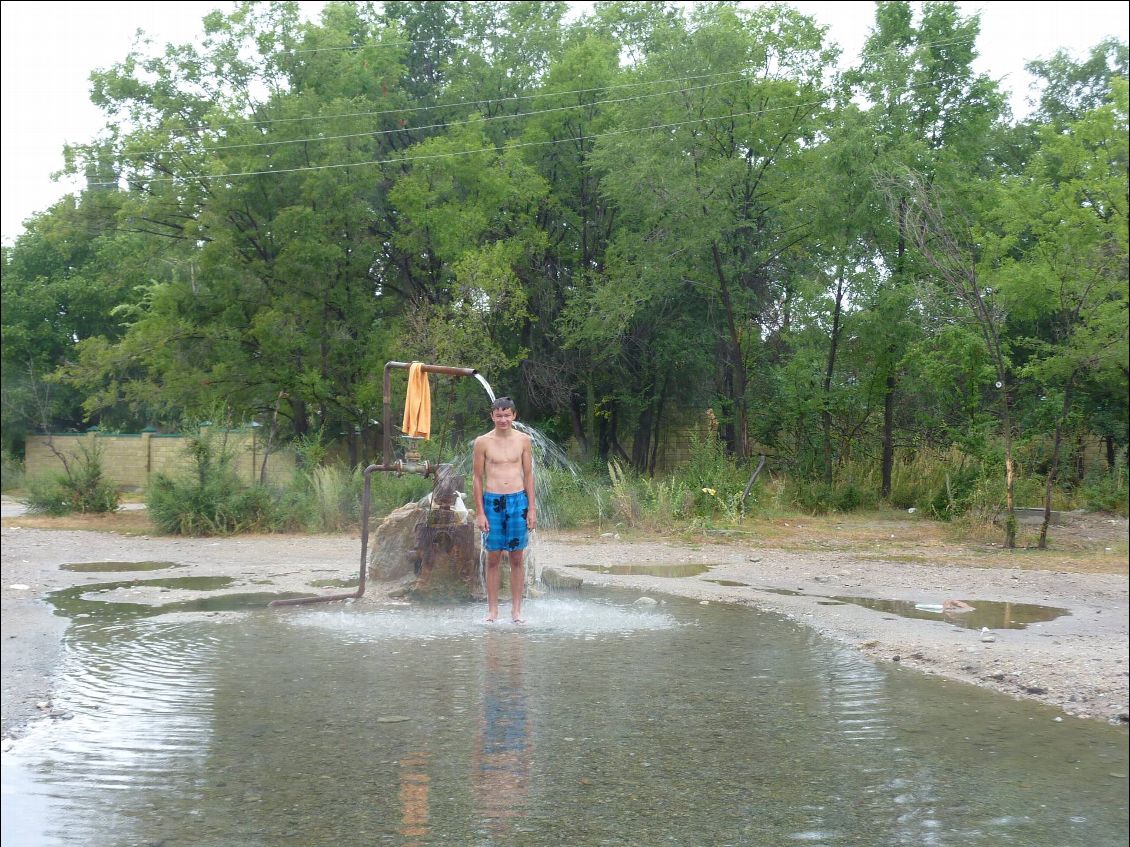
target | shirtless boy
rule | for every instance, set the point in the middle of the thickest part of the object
(504, 502)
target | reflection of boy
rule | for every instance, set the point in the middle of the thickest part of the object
(503, 749)
(504, 500)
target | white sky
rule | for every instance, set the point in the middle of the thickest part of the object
(50, 48)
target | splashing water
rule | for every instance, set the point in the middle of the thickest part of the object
(483, 381)
(549, 616)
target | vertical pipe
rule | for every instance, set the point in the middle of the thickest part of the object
(366, 497)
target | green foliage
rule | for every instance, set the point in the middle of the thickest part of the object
(1107, 491)
(390, 492)
(325, 498)
(11, 472)
(817, 497)
(83, 487)
(209, 499)
(572, 499)
(623, 220)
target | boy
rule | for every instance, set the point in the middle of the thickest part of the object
(504, 502)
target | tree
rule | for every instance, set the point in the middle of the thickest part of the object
(931, 114)
(1064, 225)
(952, 246)
(710, 192)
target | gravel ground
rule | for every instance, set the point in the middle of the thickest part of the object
(1078, 662)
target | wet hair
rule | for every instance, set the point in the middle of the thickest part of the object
(503, 403)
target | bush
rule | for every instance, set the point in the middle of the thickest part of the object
(816, 497)
(571, 498)
(82, 488)
(209, 499)
(954, 494)
(323, 499)
(1106, 492)
(11, 472)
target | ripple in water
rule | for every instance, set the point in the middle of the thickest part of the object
(558, 617)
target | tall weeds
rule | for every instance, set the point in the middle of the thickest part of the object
(208, 498)
(83, 487)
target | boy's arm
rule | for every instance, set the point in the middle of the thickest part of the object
(528, 477)
(478, 467)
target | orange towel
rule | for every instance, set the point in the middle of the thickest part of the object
(418, 403)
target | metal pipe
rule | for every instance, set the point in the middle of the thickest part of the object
(388, 465)
(386, 409)
(366, 496)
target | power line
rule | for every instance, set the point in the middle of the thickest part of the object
(512, 98)
(790, 107)
(450, 124)
(455, 105)
(459, 153)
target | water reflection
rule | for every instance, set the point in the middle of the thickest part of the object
(600, 723)
(414, 786)
(503, 743)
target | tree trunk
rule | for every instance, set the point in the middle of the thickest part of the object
(1080, 458)
(888, 435)
(641, 441)
(614, 444)
(891, 382)
(826, 414)
(590, 417)
(1009, 475)
(271, 438)
(735, 360)
(577, 422)
(656, 429)
(301, 418)
(1057, 444)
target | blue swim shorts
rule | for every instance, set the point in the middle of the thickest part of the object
(506, 517)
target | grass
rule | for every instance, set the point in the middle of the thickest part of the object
(1092, 546)
(894, 536)
(123, 523)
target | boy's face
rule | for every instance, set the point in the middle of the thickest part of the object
(503, 418)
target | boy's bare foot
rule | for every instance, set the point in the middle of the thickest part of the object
(518, 620)
(490, 619)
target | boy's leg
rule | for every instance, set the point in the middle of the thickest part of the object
(517, 582)
(494, 580)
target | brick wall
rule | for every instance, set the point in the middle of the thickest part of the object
(130, 459)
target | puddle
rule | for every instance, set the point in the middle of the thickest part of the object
(117, 567)
(599, 722)
(670, 570)
(100, 601)
(730, 583)
(985, 613)
(335, 583)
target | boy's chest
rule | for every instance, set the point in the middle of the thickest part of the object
(503, 453)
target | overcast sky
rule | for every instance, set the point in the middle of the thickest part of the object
(50, 48)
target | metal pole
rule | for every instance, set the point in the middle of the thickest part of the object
(365, 499)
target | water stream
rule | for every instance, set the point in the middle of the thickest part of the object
(599, 723)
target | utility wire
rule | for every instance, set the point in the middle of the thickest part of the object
(459, 153)
(458, 104)
(502, 100)
(449, 124)
(814, 103)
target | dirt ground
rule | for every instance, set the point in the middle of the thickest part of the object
(792, 567)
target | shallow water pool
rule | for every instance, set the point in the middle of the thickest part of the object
(598, 723)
